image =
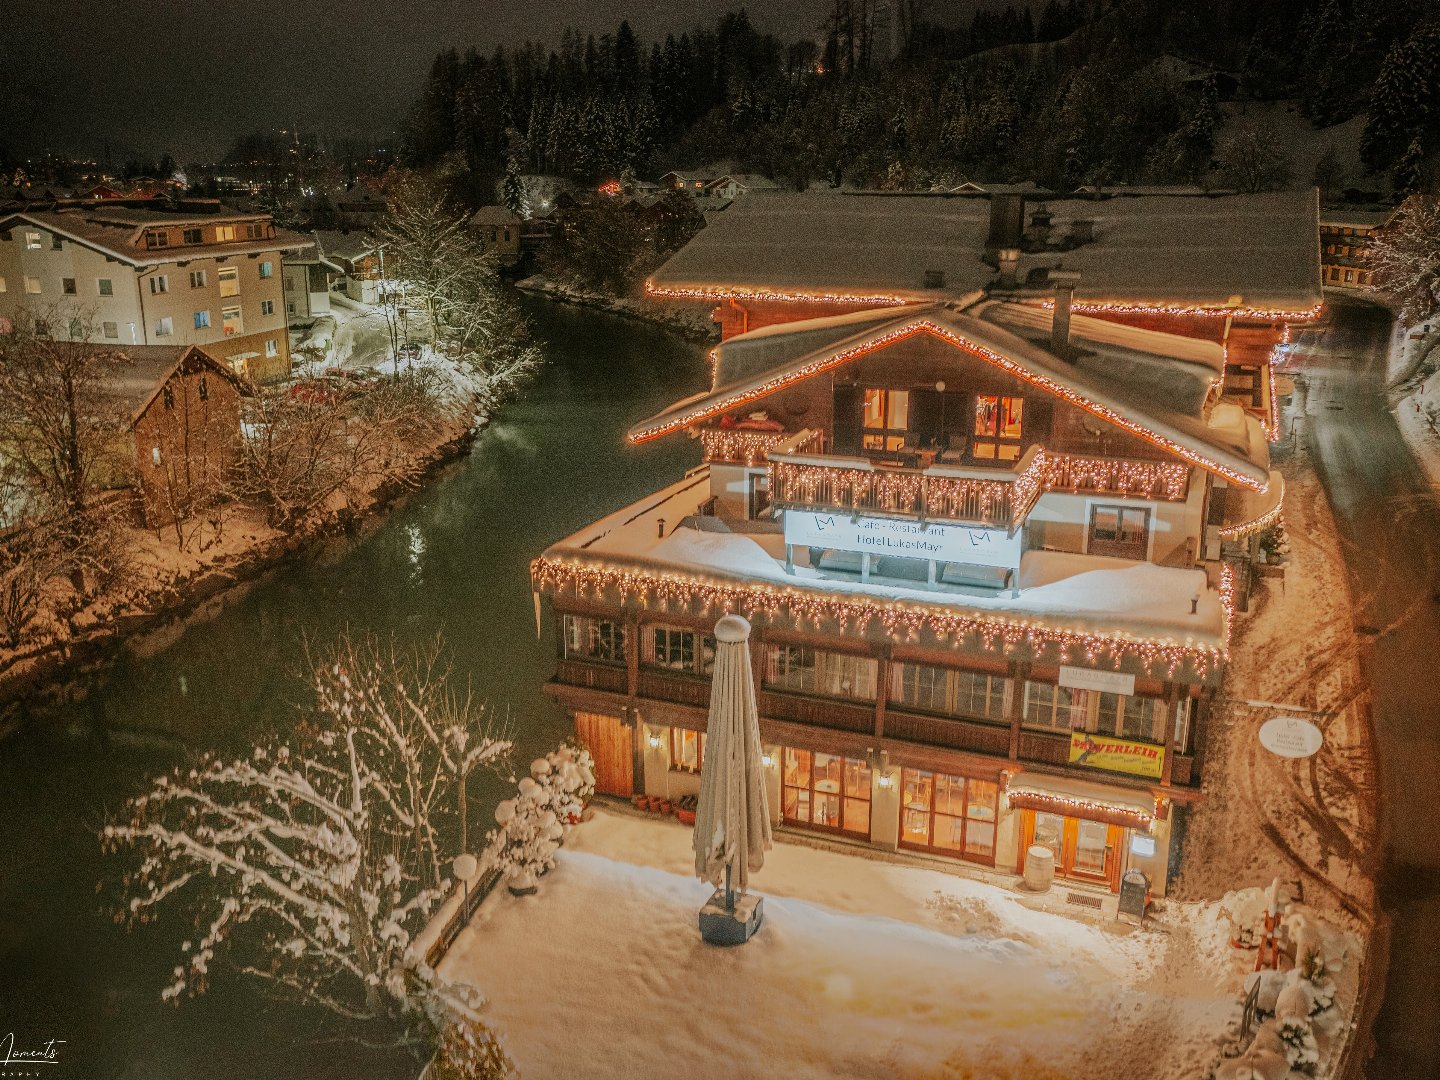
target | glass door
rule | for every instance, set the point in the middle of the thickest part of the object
(1091, 847)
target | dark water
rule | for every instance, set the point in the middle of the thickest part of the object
(453, 559)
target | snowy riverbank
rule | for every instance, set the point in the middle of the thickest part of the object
(690, 320)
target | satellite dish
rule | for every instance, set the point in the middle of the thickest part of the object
(1291, 737)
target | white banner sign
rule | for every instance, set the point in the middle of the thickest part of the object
(1107, 682)
(905, 539)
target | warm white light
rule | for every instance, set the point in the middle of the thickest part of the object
(767, 760)
(654, 741)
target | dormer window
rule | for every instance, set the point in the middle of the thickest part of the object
(194, 236)
(157, 238)
(224, 233)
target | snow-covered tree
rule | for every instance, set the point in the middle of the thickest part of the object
(313, 863)
(1406, 257)
(547, 805)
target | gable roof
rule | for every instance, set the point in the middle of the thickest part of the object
(138, 380)
(1103, 381)
(1251, 254)
(118, 232)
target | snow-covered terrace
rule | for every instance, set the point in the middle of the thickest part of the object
(664, 537)
(863, 968)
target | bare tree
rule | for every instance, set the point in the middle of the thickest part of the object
(57, 422)
(1250, 160)
(318, 445)
(317, 861)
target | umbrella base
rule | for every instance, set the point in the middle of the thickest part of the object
(721, 927)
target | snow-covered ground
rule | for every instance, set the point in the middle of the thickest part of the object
(1413, 411)
(863, 968)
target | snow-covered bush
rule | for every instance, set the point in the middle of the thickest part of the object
(470, 1051)
(1301, 1051)
(532, 825)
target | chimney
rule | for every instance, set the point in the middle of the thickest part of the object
(1009, 261)
(1038, 232)
(1064, 282)
(1082, 231)
(1007, 217)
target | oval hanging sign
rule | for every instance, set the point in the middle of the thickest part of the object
(1290, 736)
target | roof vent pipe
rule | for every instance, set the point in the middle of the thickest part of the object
(1064, 282)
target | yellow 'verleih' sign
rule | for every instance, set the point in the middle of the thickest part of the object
(1116, 755)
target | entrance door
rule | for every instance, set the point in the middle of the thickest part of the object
(1120, 531)
(609, 744)
(1084, 850)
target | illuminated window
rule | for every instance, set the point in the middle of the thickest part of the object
(952, 815)
(594, 639)
(229, 279)
(164, 327)
(1121, 532)
(231, 321)
(679, 649)
(886, 419)
(825, 791)
(1123, 716)
(32, 286)
(803, 670)
(32, 241)
(998, 423)
(687, 750)
(224, 233)
(948, 691)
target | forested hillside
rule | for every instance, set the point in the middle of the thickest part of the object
(1101, 91)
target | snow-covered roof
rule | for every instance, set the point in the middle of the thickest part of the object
(119, 232)
(1239, 251)
(1147, 383)
(1062, 594)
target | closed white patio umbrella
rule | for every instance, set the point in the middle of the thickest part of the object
(732, 820)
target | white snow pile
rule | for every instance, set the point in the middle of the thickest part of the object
(862, 969)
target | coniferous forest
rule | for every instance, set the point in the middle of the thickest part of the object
(1065, 94)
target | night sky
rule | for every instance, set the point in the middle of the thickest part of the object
(187, 76)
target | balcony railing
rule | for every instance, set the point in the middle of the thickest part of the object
(592, 676)
(994, 498)
(839, 715)
(743, 446)
(997, 498)
(951, 734)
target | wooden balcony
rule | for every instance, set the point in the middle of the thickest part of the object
(818, 712)
(592, 676)
(996, 498)
(992, 497)
(674, 687)
(951, 734)
(745, 446)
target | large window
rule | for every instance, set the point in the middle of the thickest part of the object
(1061, 708)
(1120, 531)
(949, 692)
(826, 791)
(803, 670)
(224, 233)
(678, 649)
(953, 815)
(886, 419)
(229, 279)
(594, 639)
(231, 321)
(998, 427)
(687, 750)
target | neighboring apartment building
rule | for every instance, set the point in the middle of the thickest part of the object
(149, 274)
(986, 521)
(1345, 237)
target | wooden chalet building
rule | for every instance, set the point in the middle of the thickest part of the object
(977, 481)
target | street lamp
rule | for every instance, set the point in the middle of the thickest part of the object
(465, 867)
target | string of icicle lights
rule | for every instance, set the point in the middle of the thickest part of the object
(899, 619)
(924, 326)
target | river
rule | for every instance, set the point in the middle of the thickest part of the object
(452, 559)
